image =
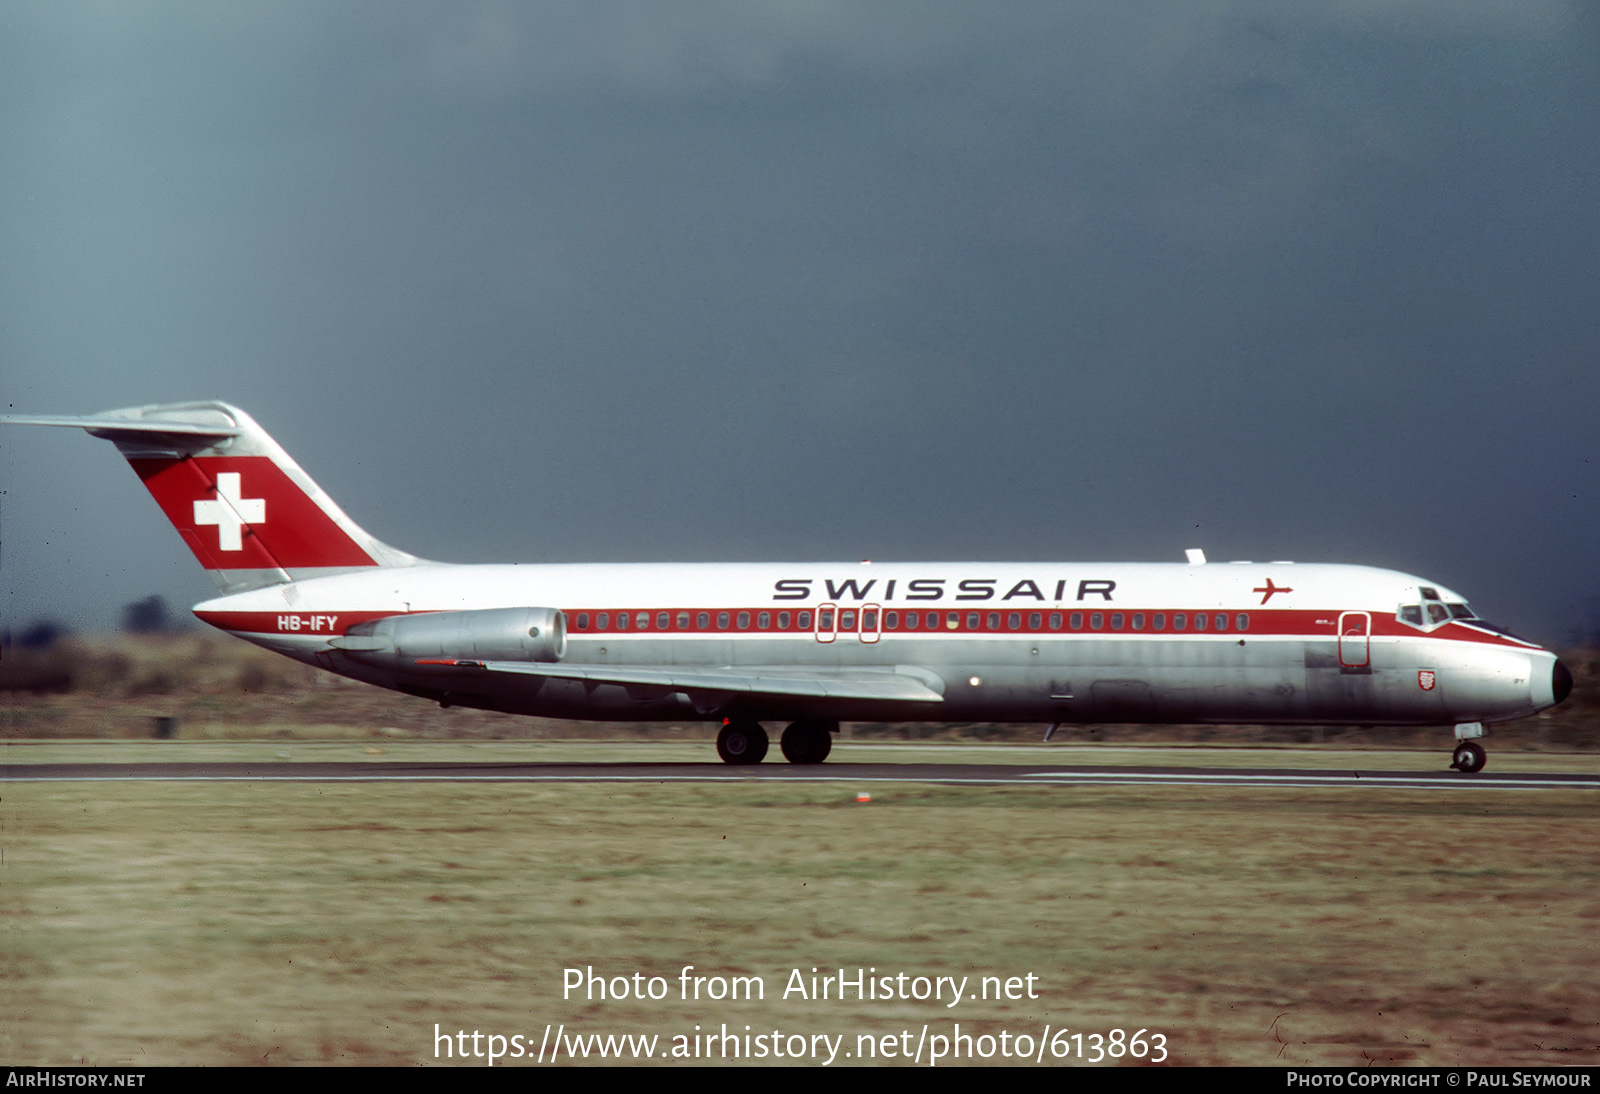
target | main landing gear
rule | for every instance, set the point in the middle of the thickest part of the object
(742, 743)
(805, 742)
(1469, 756)
(808, 742)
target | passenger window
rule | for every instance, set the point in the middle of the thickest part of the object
(1222, 622)
(869, 619)
(683, 621)
(1242, 621)
(703, 620)
(622, 621)
(1116, 621)
(1138, 621)
(642, 621)
(1033, 620)
(891, 621)
(952, 621)
(602, 621)
(662, 620)
(803, 621)
(994, 621)
(972, 621)
(1158, 622)
(583, 621)
(847, 619)
(1199, 621)
(1055, 621)
(1013, 620)
(1179, 621)
(722, 621)
(1096, 621)
(825, 619)
(783, 621)
(912, 620)
(744, 621)
(764, 620)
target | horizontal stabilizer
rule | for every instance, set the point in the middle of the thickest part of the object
(249, 513)
(113, 428)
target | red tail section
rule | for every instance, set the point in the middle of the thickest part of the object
(249, 513)
(243, 512)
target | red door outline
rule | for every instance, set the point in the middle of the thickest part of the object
(1355, 639)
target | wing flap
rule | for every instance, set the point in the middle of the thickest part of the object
(900, 683)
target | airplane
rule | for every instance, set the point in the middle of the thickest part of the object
(815, 644)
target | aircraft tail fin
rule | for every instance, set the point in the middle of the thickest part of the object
(249, 513)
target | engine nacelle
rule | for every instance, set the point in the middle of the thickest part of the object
(490, 634)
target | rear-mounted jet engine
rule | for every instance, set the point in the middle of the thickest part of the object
(492, 634)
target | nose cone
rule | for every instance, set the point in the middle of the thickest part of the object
(1560, 682)
(1548, 686)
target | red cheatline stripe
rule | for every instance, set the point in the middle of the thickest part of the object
(583, 622)
(278, 622)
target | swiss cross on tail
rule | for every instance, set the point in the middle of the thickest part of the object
(246, 513)
(230, 512)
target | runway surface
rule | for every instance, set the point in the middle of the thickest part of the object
(853, 774)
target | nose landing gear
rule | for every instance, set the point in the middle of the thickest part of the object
(1469, 757)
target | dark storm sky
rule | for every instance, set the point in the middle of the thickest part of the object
(819, 280)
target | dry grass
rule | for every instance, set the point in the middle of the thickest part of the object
(256, 922)
(245, 923)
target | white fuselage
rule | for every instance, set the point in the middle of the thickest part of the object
(1056, 642)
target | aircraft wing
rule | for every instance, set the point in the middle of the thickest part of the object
(900, 682)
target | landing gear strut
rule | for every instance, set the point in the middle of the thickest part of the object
(808, 741)
(1469, 757)
(742, 742)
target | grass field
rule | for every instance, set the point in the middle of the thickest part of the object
(168, 923)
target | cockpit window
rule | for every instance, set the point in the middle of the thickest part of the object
(1486, 625)
(1429, 593)
(1433, 613)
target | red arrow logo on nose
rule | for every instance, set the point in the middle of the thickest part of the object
(1269, 590)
